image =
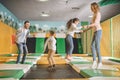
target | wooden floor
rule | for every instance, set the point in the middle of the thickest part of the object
(58, 59)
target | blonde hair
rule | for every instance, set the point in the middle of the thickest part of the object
(95, 7)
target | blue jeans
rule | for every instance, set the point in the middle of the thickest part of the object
(95, 46)
(22, 48)
(69, 44)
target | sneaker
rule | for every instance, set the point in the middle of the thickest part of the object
(53, 67)
(49, 68)
(67, 61)
(99, 65)
(22, 62)
(17, 63)
(94, 65)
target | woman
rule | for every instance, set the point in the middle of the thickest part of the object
(71, 29)
(95, 46)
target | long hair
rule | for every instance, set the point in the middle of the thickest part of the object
(69, 23)
(95, 7)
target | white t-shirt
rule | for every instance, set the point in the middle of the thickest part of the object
(73, 28)
(51, 42)
(22, 35)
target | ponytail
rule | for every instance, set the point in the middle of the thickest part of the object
(69, 23)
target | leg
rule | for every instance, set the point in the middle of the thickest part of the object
(49, 58)
(97, 43)
(52, 59)
(20, 51)
(93, 48)
(67, 47)
(50, 67)
(94, 65)
(24, 53)
(70, 46)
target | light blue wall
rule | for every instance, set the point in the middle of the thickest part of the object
(7, 17)
(58, 26)
(7, 12)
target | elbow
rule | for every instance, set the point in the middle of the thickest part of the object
(92, 25)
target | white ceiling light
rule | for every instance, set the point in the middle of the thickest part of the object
(90, 16)
(44, 14)
(42, 0)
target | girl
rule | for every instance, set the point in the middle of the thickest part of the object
(71, 29)
(95, 46)
(51, 42)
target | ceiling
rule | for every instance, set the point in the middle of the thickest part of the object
(59, 10)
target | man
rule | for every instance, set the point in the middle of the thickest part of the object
(21, 36)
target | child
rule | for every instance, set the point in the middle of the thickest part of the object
(51, 42)
(71, 29)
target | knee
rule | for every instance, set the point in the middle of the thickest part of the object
(72, 47)
(20, 52)
(48, 57)
(92, 46)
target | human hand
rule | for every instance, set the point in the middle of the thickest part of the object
(85, 30)
(81, 31)
(85, 26)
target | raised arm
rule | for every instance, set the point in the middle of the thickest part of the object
(77, 29)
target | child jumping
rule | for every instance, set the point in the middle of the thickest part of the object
(51, 42)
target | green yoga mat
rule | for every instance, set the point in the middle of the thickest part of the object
(6, 55)
(94, 72)
(73, 62)
(14, 62)
(115, 59)
(34, 54)
(17, 74)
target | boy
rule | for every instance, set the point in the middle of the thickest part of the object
(51, 42)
